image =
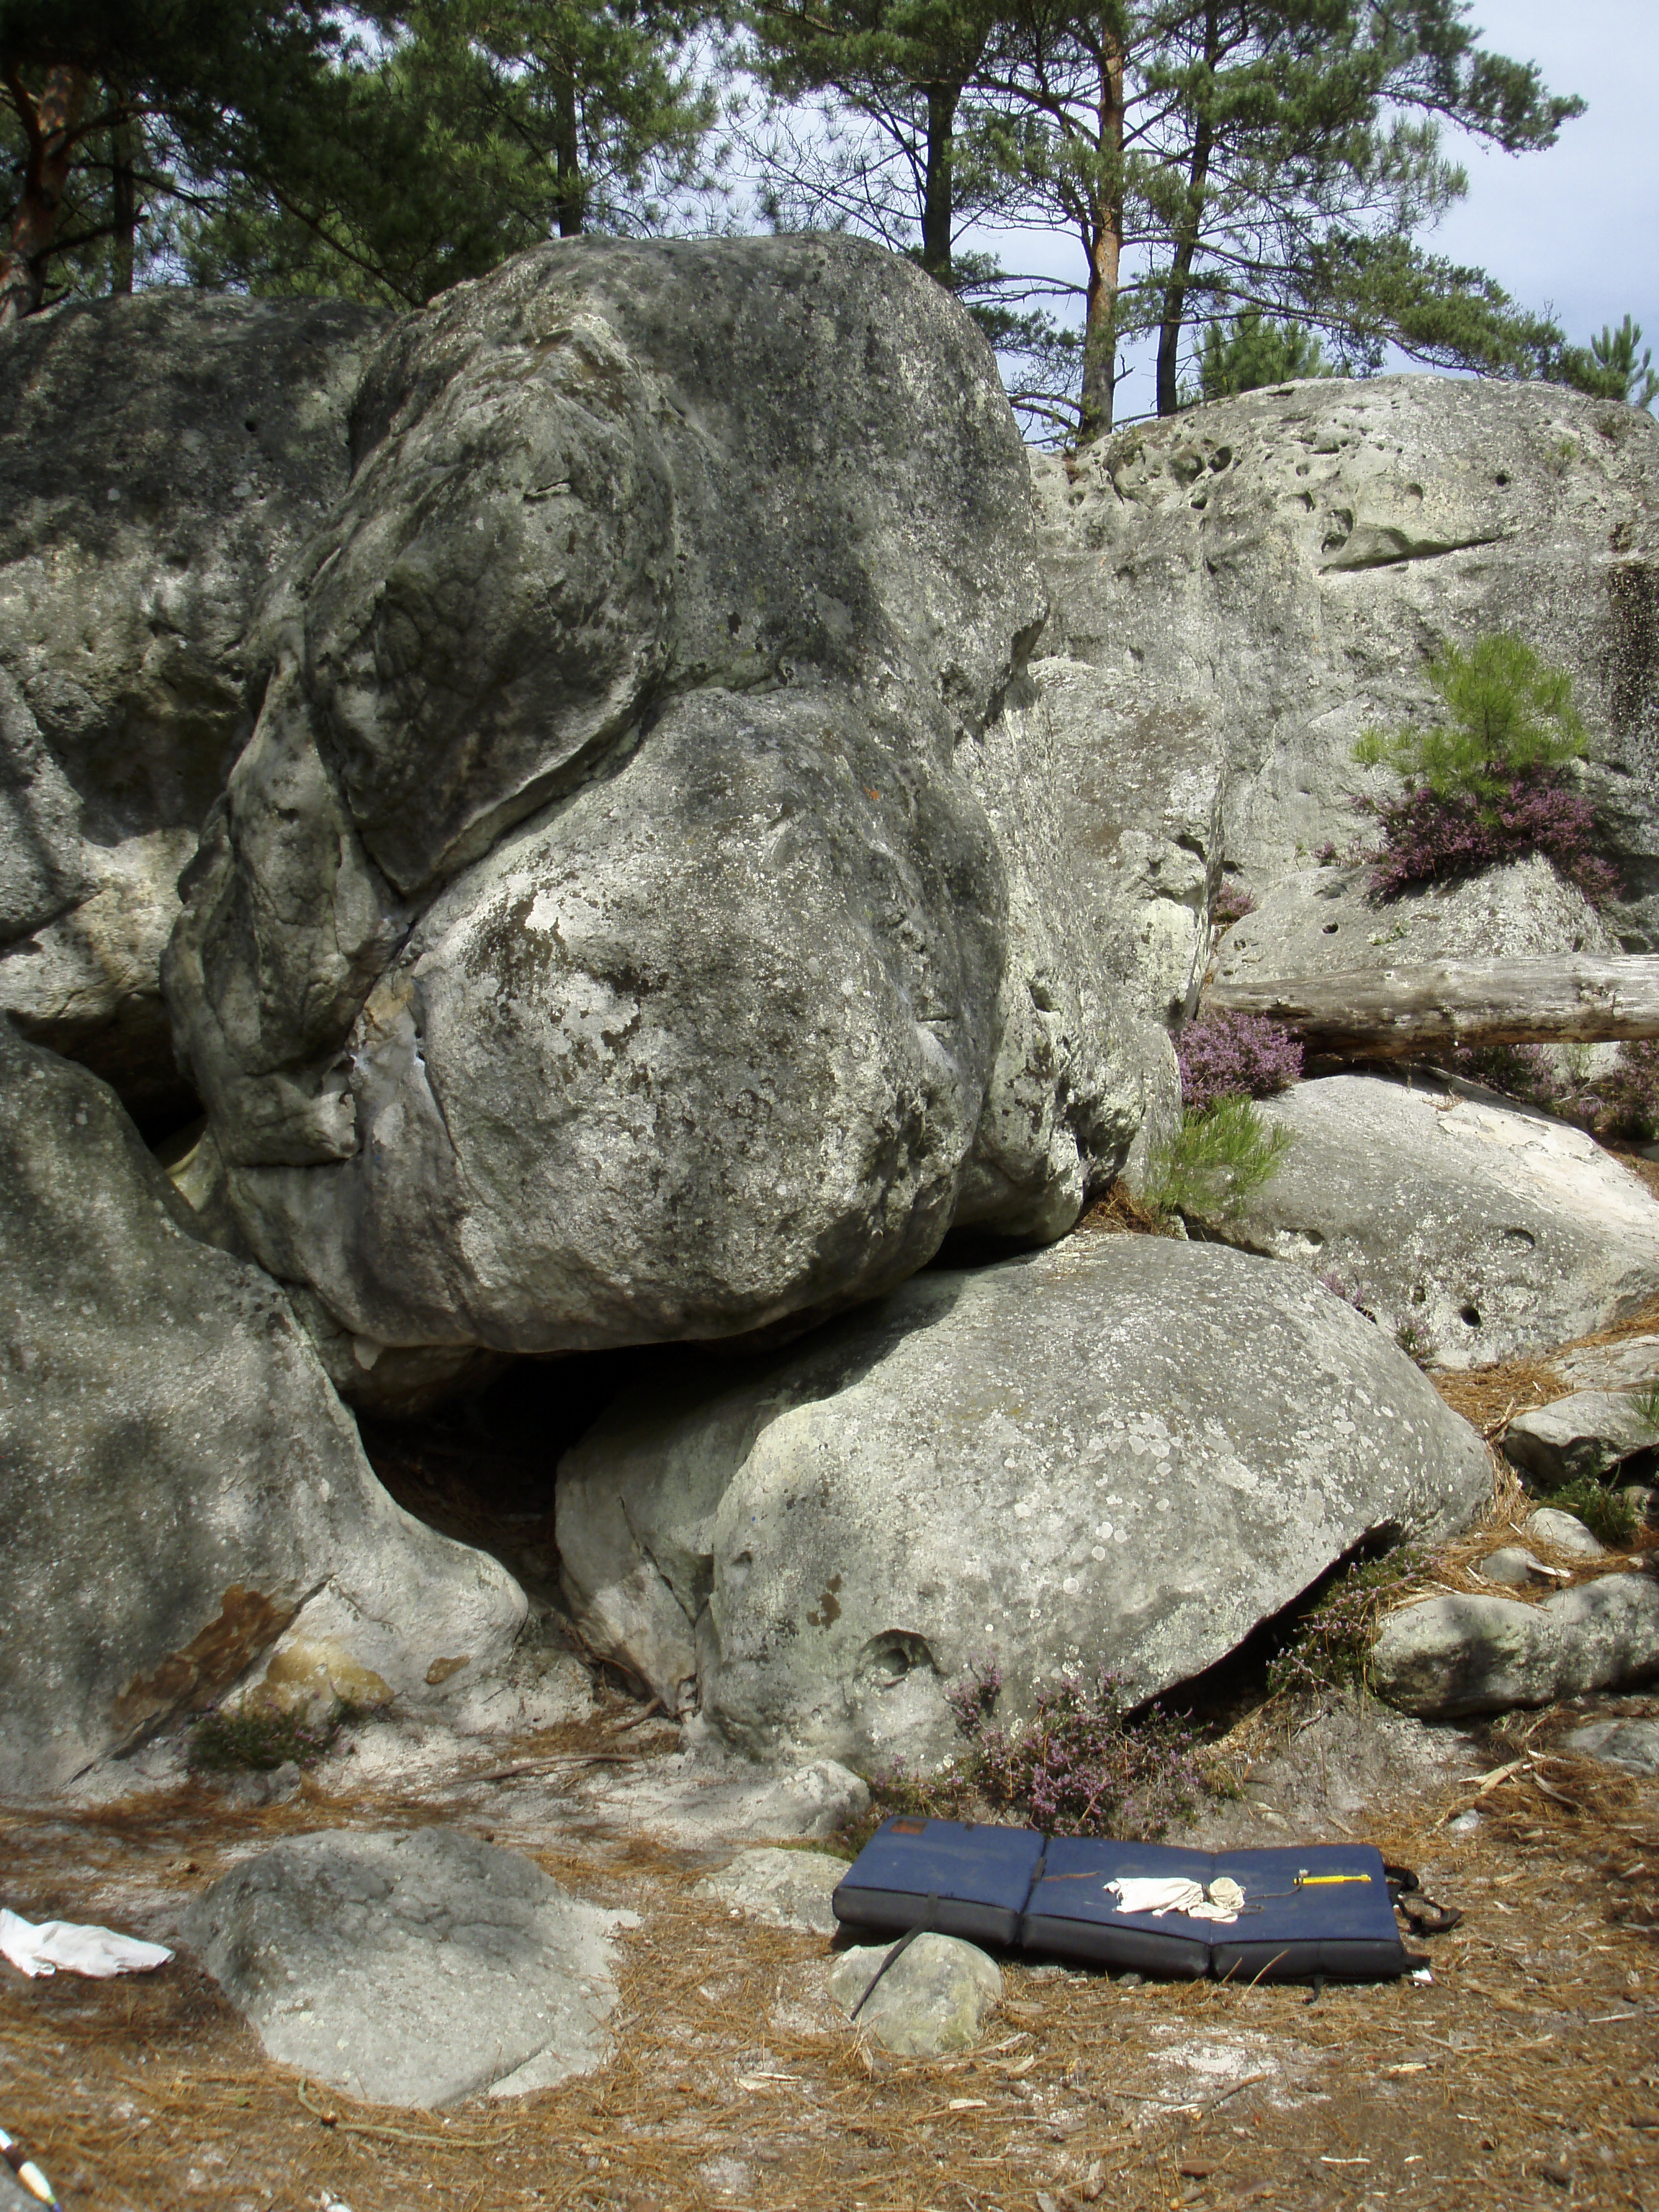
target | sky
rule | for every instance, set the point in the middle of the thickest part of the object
(1574, 230)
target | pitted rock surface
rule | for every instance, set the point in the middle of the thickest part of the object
(1474, 1228)
(629, 920)
(161, 458)
(1119, 1454)
(186, 1506)
(411, 1969)
(1271, 574)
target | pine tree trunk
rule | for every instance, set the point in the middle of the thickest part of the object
(937, 191)
(571, 198)
(49, 128)
(1181, 269)
(124, 208)
(1105, 249)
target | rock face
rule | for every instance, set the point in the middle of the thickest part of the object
(411, 1969)
(1323, 920)
(626, 922)
(1271, 575)
(1633, 1745)
(1119, 1454)
(1481, 1228)
(933, 1998)
(161, 457)
(1451, 1655)
(186, 1502)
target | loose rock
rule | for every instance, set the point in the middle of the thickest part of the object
(186, 1504)
(1565, 1531)
(1120, 1453)
(1472, 1229)
(411, 1969)
(1633, 1745)
(1483, 1655)
(932, 1999)
(1511, 1565)
(782, 1889)
(1584, 1435)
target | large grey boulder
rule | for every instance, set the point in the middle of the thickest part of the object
(187, 1511)
(1275, 572)
(161, 458)
(934, 1997)
(1119, 1454)
(626, 921)
(1454, 1655)
(1474, 1228)
(411, 1968)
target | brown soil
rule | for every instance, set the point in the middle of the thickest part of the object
(1526, 2075)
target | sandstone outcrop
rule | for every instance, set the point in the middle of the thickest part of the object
(1260, 580)
(626, 921)
(188, 1512)
(1119, 1454)
(161, 457)
(1472, 1228)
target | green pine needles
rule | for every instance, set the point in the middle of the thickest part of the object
(1218, 1158)
(1506, 715)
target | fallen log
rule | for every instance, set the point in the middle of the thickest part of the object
(1392, 1013)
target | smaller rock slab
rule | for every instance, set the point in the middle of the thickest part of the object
(784, 1889)
(1586, 1435)
(1514, 1568)
(933, 1998)
(411, 1968)
(1484, 1654)
(1564, 1531)
(1633, 1745)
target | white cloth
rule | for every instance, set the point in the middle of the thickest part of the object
(42, 1949)
(1161, 1893)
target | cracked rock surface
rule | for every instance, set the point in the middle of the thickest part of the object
(628, 919)
(187, 1506)
(161, 457)
(411, 1969)
(1119, 1454)
(1263, 579)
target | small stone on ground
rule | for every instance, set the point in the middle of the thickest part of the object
(411, 1969)
(933, 1997)
(783, 1889)
(1633, 1745)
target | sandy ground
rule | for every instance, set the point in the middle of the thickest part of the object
(1525, 2073)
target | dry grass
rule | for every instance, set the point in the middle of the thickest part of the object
(732, 2086)
(1490, 1397)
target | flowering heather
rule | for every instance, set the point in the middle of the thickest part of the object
(1622, 1102)
(1630, 1094)
(1081, 1766)
(1430, 838)
(973, 1700)
(1235, 1055)
(1230, 905)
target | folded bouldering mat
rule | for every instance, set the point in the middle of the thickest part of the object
(1284, 1914)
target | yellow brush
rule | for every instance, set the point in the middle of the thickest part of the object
(1326, 1881)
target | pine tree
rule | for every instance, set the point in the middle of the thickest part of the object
(1254, 350)
(1608, 368)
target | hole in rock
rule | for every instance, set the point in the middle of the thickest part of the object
(888, 1658)
(1330, 928)
(1469, 1315)
(481, 1467)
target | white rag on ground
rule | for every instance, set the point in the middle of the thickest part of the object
(99, 1952)
(1161, 1893)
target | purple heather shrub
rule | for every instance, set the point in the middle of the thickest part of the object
(1230, 905)
(1083, 1766)
(973, 1700)
(1428, 838)
(1229, 1055)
